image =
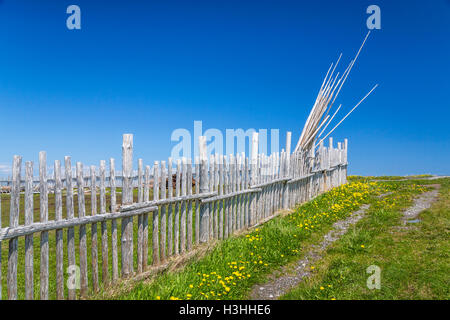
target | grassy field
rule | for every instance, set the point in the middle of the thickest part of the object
(414, 261)
(235, 265)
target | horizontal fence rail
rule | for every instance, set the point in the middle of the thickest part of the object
(79, 229)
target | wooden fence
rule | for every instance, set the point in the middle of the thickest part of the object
(172, 208)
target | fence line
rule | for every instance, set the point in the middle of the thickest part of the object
(200, 201)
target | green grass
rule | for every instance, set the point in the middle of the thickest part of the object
(235, 265)
(414, 262)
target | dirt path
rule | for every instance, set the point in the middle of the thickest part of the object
(279, 285)
(421, 203)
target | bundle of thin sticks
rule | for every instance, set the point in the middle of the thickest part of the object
(319, 117)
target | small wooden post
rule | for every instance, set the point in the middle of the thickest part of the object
(197, 202)
(104, 227)
(183, 206)
(170, 207)
(145, 218)
(163, 212)
(127, 198)
(177, 207)
(221, 202)
(286, 171)
(29, 207)
(59, 233)
(140, 240)
(253, 177)
(204, 187)
(155, 232)
(94, 238)
(114, 238)
(82, 231)
(189, 209)
(14, 222)
(43, 218)
(70, 215)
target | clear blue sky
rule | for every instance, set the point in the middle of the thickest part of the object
(149, 67)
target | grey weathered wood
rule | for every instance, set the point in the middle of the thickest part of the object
(204, 187)
(183, 206)
(70, 215)
(104, 226)
(211, 204)
(253, 177)
(145, 218)
(231, 218)
(29, 207)
(170, 209)
(216, 204)
(246, 197)
(140, 240)
(240, 174)
(197, 202)
(94, 239)
(82, 232)
(189, 205)
(9, 233)
(114, 238)
(127, 198)
(177, 209)
(161, 202)
(155, 234)
(163, 244)
(59, 233)
(227, 208)
(43, 189)
(14, 222)
(221, 202)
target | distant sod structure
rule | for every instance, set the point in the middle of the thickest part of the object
(69, 235)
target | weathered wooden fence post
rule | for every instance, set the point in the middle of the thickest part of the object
(14, 222)
(59, 232)
(43, 189)
(286, 170)
(70, 215)
(345, 159)
(127, 198)
(29, 207)
(253, 178)
(204, 188)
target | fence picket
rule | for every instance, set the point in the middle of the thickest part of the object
(140, 217)
(104, 226)
(114, 249)
(70, 215)
(94, 239)
(163, 212)
(14, 222)
(189, 205)
(59, 233)
(170, 209)
(29, 207)
(82, 231)
(43, 189)
(145, 219)
(183, 206)
(155, 234)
